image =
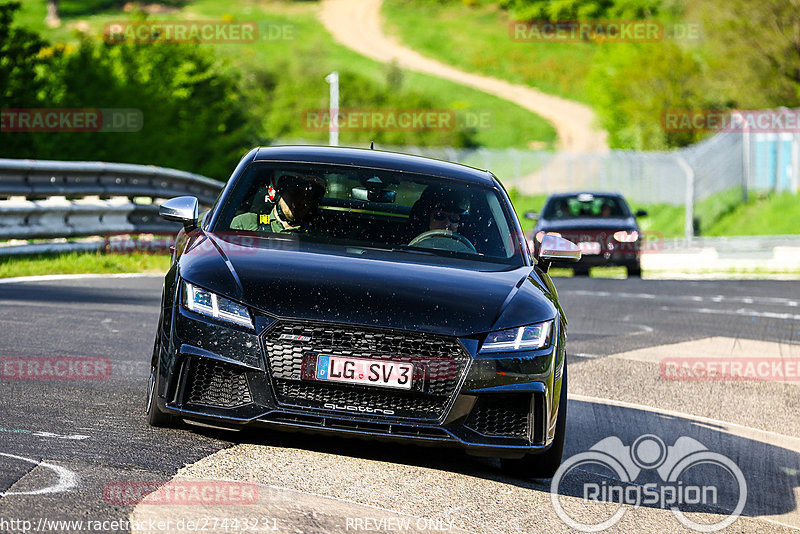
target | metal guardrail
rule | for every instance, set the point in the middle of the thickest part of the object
(41, 178)
(64, 199)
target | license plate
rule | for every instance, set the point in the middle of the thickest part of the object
(588, 247)
(368, 372)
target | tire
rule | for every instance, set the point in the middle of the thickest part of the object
(580, 271)
(155, 417)
(634, 270)
(546, 464)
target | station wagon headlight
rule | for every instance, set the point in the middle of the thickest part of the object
(530, 337)
(210, 304)
(626, 237)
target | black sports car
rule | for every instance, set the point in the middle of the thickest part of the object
(601, 224)
(366, 293)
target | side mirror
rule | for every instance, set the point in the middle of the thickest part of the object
(180, 209)
(640, 213)
(532, 215)
(557, 249)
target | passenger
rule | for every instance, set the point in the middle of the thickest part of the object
(296, 199)
(562, 210)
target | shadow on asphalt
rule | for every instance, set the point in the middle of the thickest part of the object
(770, 471)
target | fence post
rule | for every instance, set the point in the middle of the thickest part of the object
(746, 144)
(688, 222)
(796, 163)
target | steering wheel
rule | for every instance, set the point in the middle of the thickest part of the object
(445, 240)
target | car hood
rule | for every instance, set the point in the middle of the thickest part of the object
(588, 223)
(350, 289)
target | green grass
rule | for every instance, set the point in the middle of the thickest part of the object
(477, 38)
(83, 262)
(775, 214)
(313, 47)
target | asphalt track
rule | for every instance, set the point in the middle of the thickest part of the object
(63, 442)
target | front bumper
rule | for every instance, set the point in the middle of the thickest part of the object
(494, 406)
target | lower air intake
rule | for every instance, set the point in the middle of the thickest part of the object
(213, 383)
(501, 415)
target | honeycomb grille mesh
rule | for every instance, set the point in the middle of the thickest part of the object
(501, 415)
(440, 361)
(214, 383)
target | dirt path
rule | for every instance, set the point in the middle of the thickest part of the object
(357, 24)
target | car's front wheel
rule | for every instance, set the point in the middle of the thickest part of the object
(580, 271)
(155, 417)
(546, 464)
(634, 270)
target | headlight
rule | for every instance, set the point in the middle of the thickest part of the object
(540, 235)
(626, 237)
(207, 303)
(534, 336)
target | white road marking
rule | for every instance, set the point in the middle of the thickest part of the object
(43, 434)
(66, 479)
(56, 277)
(105, 322)
(779, 301)
(741, 311)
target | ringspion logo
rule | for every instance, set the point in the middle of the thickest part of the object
(674, 490)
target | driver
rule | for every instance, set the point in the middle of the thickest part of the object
(439, 208)
(296, 198)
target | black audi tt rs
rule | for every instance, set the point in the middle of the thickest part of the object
(368, 293)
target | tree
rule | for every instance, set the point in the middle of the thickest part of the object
(754, 50)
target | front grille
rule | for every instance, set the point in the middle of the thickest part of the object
(293, 346)
(214, 383)
(501, 415)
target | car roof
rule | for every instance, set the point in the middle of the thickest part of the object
(377, 159)
(595, 193)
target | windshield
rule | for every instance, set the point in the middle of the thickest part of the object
(586, 205)
(388, 210)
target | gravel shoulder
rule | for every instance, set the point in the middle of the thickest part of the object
(357, 24)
